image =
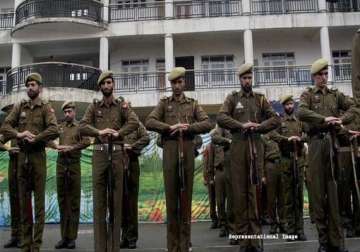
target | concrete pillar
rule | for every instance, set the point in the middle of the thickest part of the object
(322, 5)
(248, 47)
(16, 55)
(106, 11)
(325, 47)
(104, 54)
(169, 56)
(169, 9)
(246, 9)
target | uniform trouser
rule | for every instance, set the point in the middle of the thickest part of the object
(348, 200)
(178, 208)
(220, 188)
(324, 193)
(230, 219)
(104, 242)
(293, 205)
(32, 180)
(14, 197)
(275, 194)
(308, 187)
(247, 219)
(130, 202)
(68, 189)
(356, 68)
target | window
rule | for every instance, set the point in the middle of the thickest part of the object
(342, 64)
(214, 68)
(281, 69)
(160, 73)
(137, 76)
(131, 4)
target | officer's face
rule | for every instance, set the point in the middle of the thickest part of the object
(107, 87)
(178, 86)
(69, 114)
(33, 89)
(289, 107)
(321, 78)
(246, 82)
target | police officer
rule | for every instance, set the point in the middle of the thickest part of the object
(246, 114)
(135, 142)
(108, 120)
(33, 123)
(14, 241)
(320, 108)
(291, 137)
(178, 119)
(68, 175)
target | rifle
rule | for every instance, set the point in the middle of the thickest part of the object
(110, 194)
(254, 178)
(296, 182)
(211, 173)
(183, 196)
(67, 189)
(334, 166)
(27, 168)
(354, 152)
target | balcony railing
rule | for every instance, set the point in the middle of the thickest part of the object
(266, 7)
(137, 11)
(55, 74)
(343, 5)
(6, 20)
(227, 78)
(81, 9)
(189, 9)
(2, 87)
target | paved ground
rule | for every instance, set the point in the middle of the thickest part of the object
(153, 239)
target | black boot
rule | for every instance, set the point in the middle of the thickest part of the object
(61, 244)
(12, 243)
(124, 244)
(132, 244)
(223, 232)
(301, 237)
(71, 244)
(214, 224)
(322, 248)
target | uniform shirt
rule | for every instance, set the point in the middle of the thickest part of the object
(138, 139)
(271, 148)
(36, 116)
(240, 107)
(69, 135)
(220, 139)
(117, 116)
(316, 104)
(169, 111)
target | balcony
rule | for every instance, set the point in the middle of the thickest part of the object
(266, 7)
(343, 5)
(6, 19)
(85, 12)
(55, 74)
(227, 78)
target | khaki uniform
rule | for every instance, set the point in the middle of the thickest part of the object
(120, 117)
(239, 108)
(293, 207)
(274, 184)
(138, 140)
(38, 117)
(68, 179)
(315, 105)
(221, 140)
(356, 68)
(168, 112)
(13, 191)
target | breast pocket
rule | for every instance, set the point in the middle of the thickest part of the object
(171, 118)
(239, 113)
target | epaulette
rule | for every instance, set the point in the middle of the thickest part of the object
(96, 101)
(334, 89)
(309, 89)
(164, 98)
(44, 101)
(234, 92)
(120, 99)
(23, 101)
(259, 94)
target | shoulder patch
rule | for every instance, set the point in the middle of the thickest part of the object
(334, 89)
(120, 99)
(309, 89)
(124, 105)
(95, 101)
(44, 101)
(23, 101)
(234, 92)
(259, 94)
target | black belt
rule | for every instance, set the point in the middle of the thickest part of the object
(105, 147)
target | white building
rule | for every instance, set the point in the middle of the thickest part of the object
(141, 40)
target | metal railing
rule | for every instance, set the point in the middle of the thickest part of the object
(341, 72)
(266, 7)
(206, 8)
(82, 9)
(343, 5)
(6, 20)
(136, 11)
(139, 82)
(2, 88)
(54, 74)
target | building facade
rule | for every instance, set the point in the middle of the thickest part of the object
(142, 40)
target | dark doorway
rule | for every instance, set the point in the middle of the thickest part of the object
(188, 63)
